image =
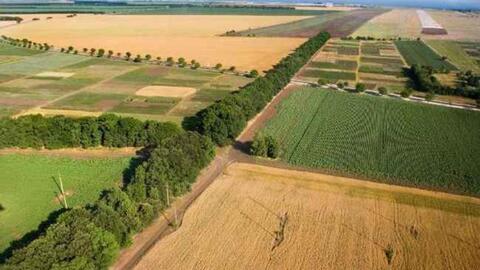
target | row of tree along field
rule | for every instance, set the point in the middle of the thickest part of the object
(224, 120)
(90, 237)
(128, 56)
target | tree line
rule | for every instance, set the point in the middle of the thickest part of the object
(423, 80)
(224, 120)
(90, 237)
(36, 131)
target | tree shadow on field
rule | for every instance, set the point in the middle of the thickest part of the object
(30, 236)
(129, 172)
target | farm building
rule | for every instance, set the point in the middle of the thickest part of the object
(429, 25)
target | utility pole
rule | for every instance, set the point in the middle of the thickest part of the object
(63, 192)
(174, 207)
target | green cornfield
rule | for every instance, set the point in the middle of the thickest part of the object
(380, 138)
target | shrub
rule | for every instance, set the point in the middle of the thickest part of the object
(406, 92)
(360, 87)
(218, 66)
(382, 90)
(264, 146)
(253, 73)
(340, 85)
(429, 96)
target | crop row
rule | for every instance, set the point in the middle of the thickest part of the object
(388, 140)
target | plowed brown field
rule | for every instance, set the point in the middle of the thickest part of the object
(333, 223)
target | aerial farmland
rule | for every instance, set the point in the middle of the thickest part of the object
(208, 135)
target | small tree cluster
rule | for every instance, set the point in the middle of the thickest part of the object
(264, 146)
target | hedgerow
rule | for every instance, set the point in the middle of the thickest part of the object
(224, 120)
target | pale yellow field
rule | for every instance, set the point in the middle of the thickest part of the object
(339, 8)
(333, 223)
(392, 24)
(189, 36)
(458, 25)
(165, 91)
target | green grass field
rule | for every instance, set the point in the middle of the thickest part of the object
(41, 62)
(417, 52)
(390, 140)
(28, 190)
(329, 75)
(455, 54)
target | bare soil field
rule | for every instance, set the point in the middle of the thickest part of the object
(189, 36)
(392, 24)
(460, 26)
(328, 223)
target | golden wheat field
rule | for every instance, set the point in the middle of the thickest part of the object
(332, 223)
(189, 36)
(460, 26)
(392, 24)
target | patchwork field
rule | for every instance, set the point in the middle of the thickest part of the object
(381, 65)
(393, 24)
(374, 63)
(337, 61)
(54, 83)
(189, 36)
(29, 187)
(380, 138)
(332, 222)
(338, 24)
(417, 52)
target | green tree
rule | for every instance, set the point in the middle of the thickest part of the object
(92, 51)
(100, 53)
(430, 96)
(259, 147)
(218, 66)
(148, 57)
(340, 85)
(406, 92)
(170, 61)
(196, 65)
(128, 55)
(382, 90)
(232, 68)
(360, 87)
(110, 54)
(253, 73)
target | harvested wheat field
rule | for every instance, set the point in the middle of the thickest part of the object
(460, 26)
(256, 217)
(165, 91)
(189, 36)
(392, 24)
